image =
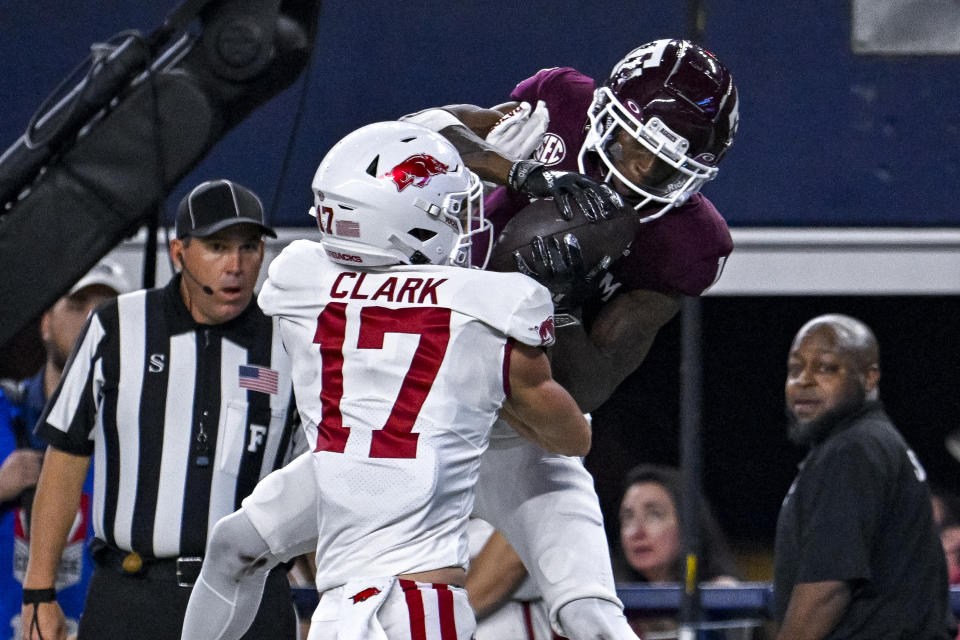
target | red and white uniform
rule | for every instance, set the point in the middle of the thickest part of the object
(399, 373)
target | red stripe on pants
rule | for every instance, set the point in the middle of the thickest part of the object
(418, 630)
(528, 620)
(448, 622)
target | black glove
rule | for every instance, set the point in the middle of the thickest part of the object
(557, 263)
(571, 191)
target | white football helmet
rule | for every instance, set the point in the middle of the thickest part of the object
(398, 193)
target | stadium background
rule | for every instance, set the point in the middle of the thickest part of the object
(829, 139)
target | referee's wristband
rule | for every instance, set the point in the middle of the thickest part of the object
(36, 596)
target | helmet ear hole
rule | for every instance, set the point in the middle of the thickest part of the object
(422, 234)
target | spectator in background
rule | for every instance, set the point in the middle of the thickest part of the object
(22, 452)
(857, 553)
(18, 474)
(508, 605)
(946, 515)
(651, 544)
(651, 531)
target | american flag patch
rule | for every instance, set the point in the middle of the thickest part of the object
(348, 228)
(257, 378)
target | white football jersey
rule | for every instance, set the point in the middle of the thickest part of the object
(399, 373)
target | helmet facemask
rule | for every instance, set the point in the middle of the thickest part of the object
(671, 186)
(466, 209)
(672, 99)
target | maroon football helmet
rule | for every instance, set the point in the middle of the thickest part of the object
(679, 102)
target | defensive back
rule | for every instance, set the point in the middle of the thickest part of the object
(399, 373)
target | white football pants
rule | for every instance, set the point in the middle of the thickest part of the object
(546, 506)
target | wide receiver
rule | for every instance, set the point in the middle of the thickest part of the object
(652, 134)
(402, 358)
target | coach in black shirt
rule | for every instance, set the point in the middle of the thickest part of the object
(857, 554)
(182, 395)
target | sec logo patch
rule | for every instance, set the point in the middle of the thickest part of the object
(551, 151)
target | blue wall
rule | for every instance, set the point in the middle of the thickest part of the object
(826, 137)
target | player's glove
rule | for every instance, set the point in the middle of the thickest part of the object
(518, 133)
(557, 263)
(570, 190)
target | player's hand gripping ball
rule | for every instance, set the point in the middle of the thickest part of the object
(574, 193)
(566, 256)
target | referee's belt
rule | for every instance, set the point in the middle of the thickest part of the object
(184, 570)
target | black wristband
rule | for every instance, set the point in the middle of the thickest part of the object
(520, 171)
(36, 596)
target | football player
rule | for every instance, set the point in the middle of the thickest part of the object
(653, 133)
(402, 357)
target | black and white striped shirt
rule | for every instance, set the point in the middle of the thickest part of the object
(143, 382)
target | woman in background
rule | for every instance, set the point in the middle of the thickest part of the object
(651, 539)
(650, 532)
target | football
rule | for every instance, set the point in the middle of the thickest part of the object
(609, 237)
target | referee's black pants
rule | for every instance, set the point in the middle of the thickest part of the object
(151, 606)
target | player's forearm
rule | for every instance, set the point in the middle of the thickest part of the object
(591, 366)
(572, 434)
(542, 410)
(495, 573)
(54, 510)
(555, 421)
(469, 138)
(814, 610)
(583, 370)
(479, 156)
(466, 126)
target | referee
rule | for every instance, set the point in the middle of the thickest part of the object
(183, 395)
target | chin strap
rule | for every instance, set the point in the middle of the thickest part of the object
(413, 254)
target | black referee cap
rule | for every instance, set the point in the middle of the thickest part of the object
(217, 204)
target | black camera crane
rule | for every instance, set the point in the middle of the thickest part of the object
(99, 157)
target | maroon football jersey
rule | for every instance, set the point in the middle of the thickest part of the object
(682, 252)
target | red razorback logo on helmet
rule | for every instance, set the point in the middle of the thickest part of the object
(416, 170)
(547, 332)
(366, 594)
